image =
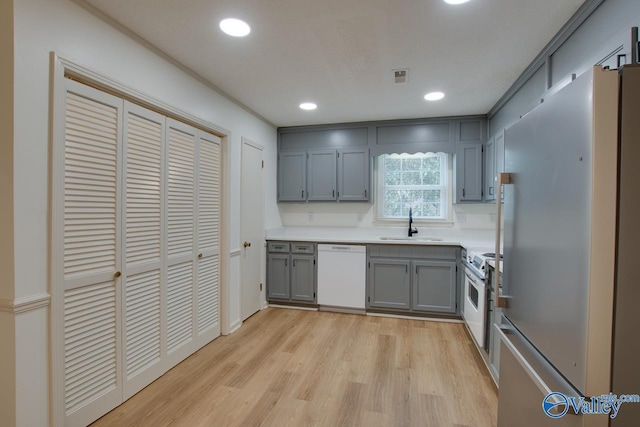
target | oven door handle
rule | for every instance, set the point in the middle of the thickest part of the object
(475, 279)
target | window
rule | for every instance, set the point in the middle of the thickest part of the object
(417, 181)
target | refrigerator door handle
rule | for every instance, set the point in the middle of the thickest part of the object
(503, 178)
(503, 332)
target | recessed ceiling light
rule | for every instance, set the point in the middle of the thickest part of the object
(434, 96)
(308, 106)
(235, 27)
(456, 1)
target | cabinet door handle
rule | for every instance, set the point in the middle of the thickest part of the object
(294, 262)
(333, 193)
(463, 192)
(406, 268)
(302, 195)
(286, 262)
(491, 191)
(365, 194)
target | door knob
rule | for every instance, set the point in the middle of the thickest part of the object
(247, 244)
(200, 255)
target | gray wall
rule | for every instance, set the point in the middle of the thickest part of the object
(605, 32)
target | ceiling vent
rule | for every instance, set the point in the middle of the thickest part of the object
(401, 76)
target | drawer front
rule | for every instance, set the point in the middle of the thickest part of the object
(414, 251)
(278, 247)
(302, 248)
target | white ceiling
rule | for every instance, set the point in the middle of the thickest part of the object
(340, 53)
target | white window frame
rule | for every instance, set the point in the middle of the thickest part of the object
(447, 195)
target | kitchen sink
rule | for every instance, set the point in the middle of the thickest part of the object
(420, 239)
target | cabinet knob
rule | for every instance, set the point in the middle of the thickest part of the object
(117, 274)
(200, 255)
(247, 244)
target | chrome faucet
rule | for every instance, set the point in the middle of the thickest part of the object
(412, 230)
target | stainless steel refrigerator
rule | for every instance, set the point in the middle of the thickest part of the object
(572, 318)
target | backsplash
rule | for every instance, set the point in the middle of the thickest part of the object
(468, 216)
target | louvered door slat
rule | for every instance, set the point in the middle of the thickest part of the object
(143, 321)
(90, 226)
(143, 188)
(208, 293)
(180, 192)
(179, 305)
(85, 190)
(208, 194)
(144, 148)
(89, 317)
(208, 267)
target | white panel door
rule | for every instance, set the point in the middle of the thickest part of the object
(208, 229)
(143, 162)
(91, 253)
(181, 240)
(251, 228)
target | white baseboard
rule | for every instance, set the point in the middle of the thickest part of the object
(345, 310)
(234, 327)
(427, 319)
(293, 307)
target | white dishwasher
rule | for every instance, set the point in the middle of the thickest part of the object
(342, 275)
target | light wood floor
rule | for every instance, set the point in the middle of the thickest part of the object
(303, 368)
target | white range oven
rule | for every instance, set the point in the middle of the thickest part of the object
(475, 304)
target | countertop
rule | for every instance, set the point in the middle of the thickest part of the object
(467, 238)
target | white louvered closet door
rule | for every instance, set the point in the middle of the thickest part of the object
(208, 229)
(91, 252)
(181, 240)
(143, 147)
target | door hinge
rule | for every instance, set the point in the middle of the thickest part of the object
(314, 294)
(314, 262)
(260, 286)
(369, 299)
(456, 268)
(369, 265)
(263, 164)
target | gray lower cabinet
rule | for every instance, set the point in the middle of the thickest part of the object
(414, 279)
(434, 286)
(278, 276)
(291, 272)
(389, 284)
(303, 278)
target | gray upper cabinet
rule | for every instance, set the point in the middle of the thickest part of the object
(434, 286)
(292, 168)
(389, 284)
(493, 165)
(278, 276)
(490, 170)
(353, 174)
(469, 172)
(303, 278)
(321, 175)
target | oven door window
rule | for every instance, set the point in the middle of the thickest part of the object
(473, 294)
